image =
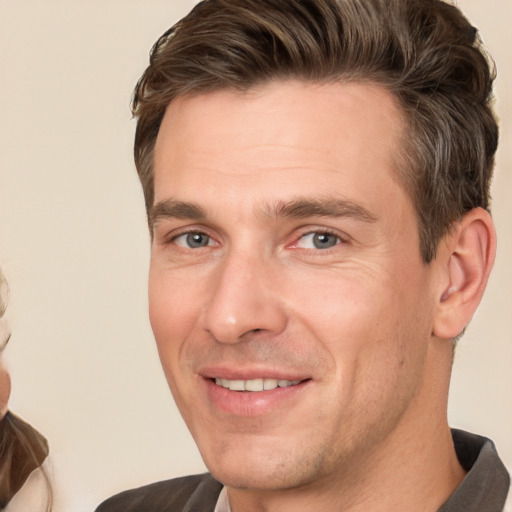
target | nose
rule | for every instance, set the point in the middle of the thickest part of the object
(246, 298)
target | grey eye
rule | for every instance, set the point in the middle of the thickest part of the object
(324, 240)
(318, 240)
(195, 240)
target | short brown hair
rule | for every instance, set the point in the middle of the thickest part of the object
(424, 52)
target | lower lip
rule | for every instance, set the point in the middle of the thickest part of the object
(252, 403)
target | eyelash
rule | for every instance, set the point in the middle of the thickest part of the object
(341, 239)
(172, 238)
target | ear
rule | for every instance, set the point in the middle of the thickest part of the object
(466, 257)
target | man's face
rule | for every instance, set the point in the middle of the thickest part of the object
(286, 262)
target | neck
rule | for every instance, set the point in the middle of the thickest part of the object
(414, 468)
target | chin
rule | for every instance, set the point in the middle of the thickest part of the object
(257, 479)
(263, 467)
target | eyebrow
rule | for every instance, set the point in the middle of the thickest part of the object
(323, 207)
(298, 208)
(171, 209)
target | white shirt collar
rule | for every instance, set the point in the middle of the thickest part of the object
(223, 502)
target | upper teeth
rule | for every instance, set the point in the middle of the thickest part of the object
(255, 384)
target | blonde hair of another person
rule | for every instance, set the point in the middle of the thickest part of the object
(22, 448)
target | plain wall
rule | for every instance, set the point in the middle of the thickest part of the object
(74, 247)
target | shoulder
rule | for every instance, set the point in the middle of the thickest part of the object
(33, 496)
(197, 492)
(487, 482)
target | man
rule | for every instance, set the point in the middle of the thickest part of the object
(316, 176)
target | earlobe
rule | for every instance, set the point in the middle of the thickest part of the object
(467, 260)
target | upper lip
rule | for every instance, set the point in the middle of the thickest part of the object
(249, 373)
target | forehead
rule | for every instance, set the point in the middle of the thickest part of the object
(290, 133)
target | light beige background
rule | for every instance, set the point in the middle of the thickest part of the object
(74, 246)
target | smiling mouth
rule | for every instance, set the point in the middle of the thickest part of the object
(255, 385)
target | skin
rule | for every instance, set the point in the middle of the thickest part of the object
(5, 390)
(354, 320)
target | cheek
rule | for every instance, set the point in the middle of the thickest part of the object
(340, 309)
(171, 320)
(173, 311)
(174, 305)
(5, 390)
(370, 328)
(345, 318)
